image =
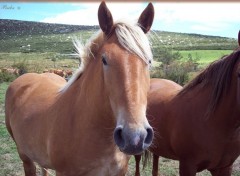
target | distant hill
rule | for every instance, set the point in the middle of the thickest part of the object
(186, 41)
(20, 28)
(25, 36)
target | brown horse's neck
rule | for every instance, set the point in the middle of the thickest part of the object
(197, 103)
(229, 107)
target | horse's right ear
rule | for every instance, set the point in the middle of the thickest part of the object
(146, 18)
(105, 18)
(239, 38)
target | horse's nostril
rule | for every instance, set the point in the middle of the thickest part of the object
(149, 137)
(118, 137)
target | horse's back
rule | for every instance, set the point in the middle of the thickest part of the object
(162, 89)
(31, 89)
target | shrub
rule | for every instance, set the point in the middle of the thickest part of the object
(165, 55)
(172, 67)
(21, 66)
(7, 77)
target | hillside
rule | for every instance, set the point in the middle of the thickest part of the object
(21, 28)
(24, 36)
(184, 41)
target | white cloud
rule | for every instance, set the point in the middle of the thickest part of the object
(204, 14)
(195, 16)
(84, 16)
(202, 28)
(201, 12)
(214, 26)
(87, 15)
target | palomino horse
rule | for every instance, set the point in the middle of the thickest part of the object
(87, 126)
(199, 126)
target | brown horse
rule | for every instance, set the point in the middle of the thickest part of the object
(88, 125)
(199, 126)
(157, 100)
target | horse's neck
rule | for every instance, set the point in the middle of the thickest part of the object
(195, 104)
(229, 110)
(84, 122)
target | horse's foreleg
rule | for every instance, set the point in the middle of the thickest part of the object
(222, 171)
(29, 166)
(137, 161)
(155, 165)
(187, 168)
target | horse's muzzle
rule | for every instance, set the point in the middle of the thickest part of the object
(134, 141)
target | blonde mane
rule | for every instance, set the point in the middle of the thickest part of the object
(130, 36)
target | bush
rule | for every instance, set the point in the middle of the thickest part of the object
(21, 66)
(7, 77)
(172, 67)
(165, 55)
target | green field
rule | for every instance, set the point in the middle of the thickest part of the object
(204, 57)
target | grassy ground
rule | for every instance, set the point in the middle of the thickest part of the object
(37, 62)
(9, 160)
(3, 88)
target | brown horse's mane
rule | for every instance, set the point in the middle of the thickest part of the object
(218, 75)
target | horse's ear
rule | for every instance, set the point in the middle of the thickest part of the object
(239, 38)
(146, 18)
(105, 18)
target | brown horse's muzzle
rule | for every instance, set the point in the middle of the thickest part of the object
(133, 141)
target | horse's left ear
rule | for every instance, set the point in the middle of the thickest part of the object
(146, 18)
(239, 38)
(105, 18)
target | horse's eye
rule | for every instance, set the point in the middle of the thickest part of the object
(104, 60)
(150, 62)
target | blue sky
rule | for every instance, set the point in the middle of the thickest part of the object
(216, 18)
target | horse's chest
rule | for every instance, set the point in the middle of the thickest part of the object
(115, 165)
(226, 155)
(232, 150)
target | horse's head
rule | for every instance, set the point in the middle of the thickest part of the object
(125, 57)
